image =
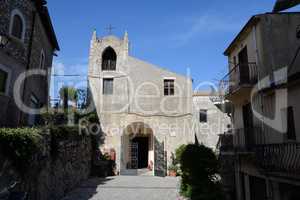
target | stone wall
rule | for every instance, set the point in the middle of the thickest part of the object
(19, 55)
(59, 166)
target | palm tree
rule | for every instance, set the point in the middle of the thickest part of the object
(67, 94)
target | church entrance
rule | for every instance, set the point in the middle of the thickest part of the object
(140, 152)
(137, 149)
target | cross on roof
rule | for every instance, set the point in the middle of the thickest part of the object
(109, 29)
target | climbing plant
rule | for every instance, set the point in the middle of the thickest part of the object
(19, 145)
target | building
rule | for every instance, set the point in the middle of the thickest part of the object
(209, 118)
(263, 85)
(27, 42)
(145, 111)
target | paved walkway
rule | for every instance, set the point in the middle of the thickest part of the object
(127, 188)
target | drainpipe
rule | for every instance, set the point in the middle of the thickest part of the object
(28, 62)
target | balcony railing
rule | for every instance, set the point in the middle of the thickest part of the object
(225, 142)
(246, 139)
(282, 157)
(279, 157)
(244, 74)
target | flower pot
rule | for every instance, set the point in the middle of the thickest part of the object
(172, 173)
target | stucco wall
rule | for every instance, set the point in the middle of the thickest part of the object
(217, 121)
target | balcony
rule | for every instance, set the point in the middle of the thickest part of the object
(246, 139)
(279, 158)
(225, 143)
(240, 79)
(271, 158)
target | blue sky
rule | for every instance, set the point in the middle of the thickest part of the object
(174, 34)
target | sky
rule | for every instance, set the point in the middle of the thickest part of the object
(174, 34)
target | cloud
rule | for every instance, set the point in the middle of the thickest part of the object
(60, 68)
(68, 75)
(205, 25)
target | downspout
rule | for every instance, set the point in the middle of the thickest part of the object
(28, 62)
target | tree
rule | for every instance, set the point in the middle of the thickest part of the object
(67, 94)
(200, 169)
(82, 98)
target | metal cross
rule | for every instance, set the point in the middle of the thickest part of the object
(109, 29)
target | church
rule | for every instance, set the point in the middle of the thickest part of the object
(145, 111)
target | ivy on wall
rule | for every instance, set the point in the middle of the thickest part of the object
(19, 145)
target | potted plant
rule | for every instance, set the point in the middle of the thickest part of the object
(172, 170)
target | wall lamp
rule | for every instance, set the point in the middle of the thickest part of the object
(3, 41)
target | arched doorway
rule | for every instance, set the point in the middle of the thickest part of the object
(137, 146)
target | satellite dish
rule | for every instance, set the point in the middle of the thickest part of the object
(281, 5)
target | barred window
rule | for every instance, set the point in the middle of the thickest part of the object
(169, 87)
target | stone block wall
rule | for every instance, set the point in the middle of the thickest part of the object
(58, 167)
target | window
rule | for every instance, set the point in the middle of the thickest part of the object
(108, 86)
(17, 25)
(3, 81)
(42, 60)
(109, 60)
(169, 87)
(291, 133)
(203, 116)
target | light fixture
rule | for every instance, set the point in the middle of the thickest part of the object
(3, 41)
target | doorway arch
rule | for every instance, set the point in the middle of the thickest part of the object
(138, 146)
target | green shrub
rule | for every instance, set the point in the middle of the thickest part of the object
(178, 153)
(20, 144)
(200, 169)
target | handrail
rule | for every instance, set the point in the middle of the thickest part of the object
(271, 158)
(283, 157)
(236, 66)
(242, 73)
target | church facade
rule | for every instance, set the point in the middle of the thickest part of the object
(145, 111)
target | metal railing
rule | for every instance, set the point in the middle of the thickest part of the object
(246, 139)
(239, 75)
(283, 157)
(225, 142)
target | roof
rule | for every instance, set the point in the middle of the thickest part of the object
(205, 93)
(252, 22)
(46, 21)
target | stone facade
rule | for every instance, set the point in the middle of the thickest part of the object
(53, 172)
(138, 106)
(19, 56)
